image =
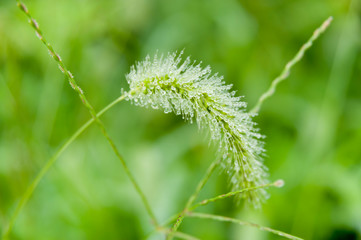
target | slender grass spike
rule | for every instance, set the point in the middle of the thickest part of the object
(187, 89)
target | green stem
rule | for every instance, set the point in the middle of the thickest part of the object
(192, 198)
(287, 69)
(29, 191)
(233, 220)
(86, 103)
(278, 183)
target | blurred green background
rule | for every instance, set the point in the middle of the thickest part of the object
(312, 123)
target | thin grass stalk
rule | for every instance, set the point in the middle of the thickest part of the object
(86, 103)
(286, 71)
(278, 183)
(233, 220)
(185, 236)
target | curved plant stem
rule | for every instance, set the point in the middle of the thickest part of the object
(230, 194)
(192, 198)
(227, 219)
(29, 191)
(286, 71)
(86, 103)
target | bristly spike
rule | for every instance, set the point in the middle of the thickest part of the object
(165, 82)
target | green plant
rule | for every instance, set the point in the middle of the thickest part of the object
(222, 112)
(186, 89)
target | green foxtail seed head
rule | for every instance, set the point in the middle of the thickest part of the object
(182, 87)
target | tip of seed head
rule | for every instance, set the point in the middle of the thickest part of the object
(279, 183)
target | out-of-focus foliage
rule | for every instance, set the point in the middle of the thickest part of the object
(312, 123)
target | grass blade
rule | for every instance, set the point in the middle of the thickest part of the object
(227, 219)
(287, 69)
